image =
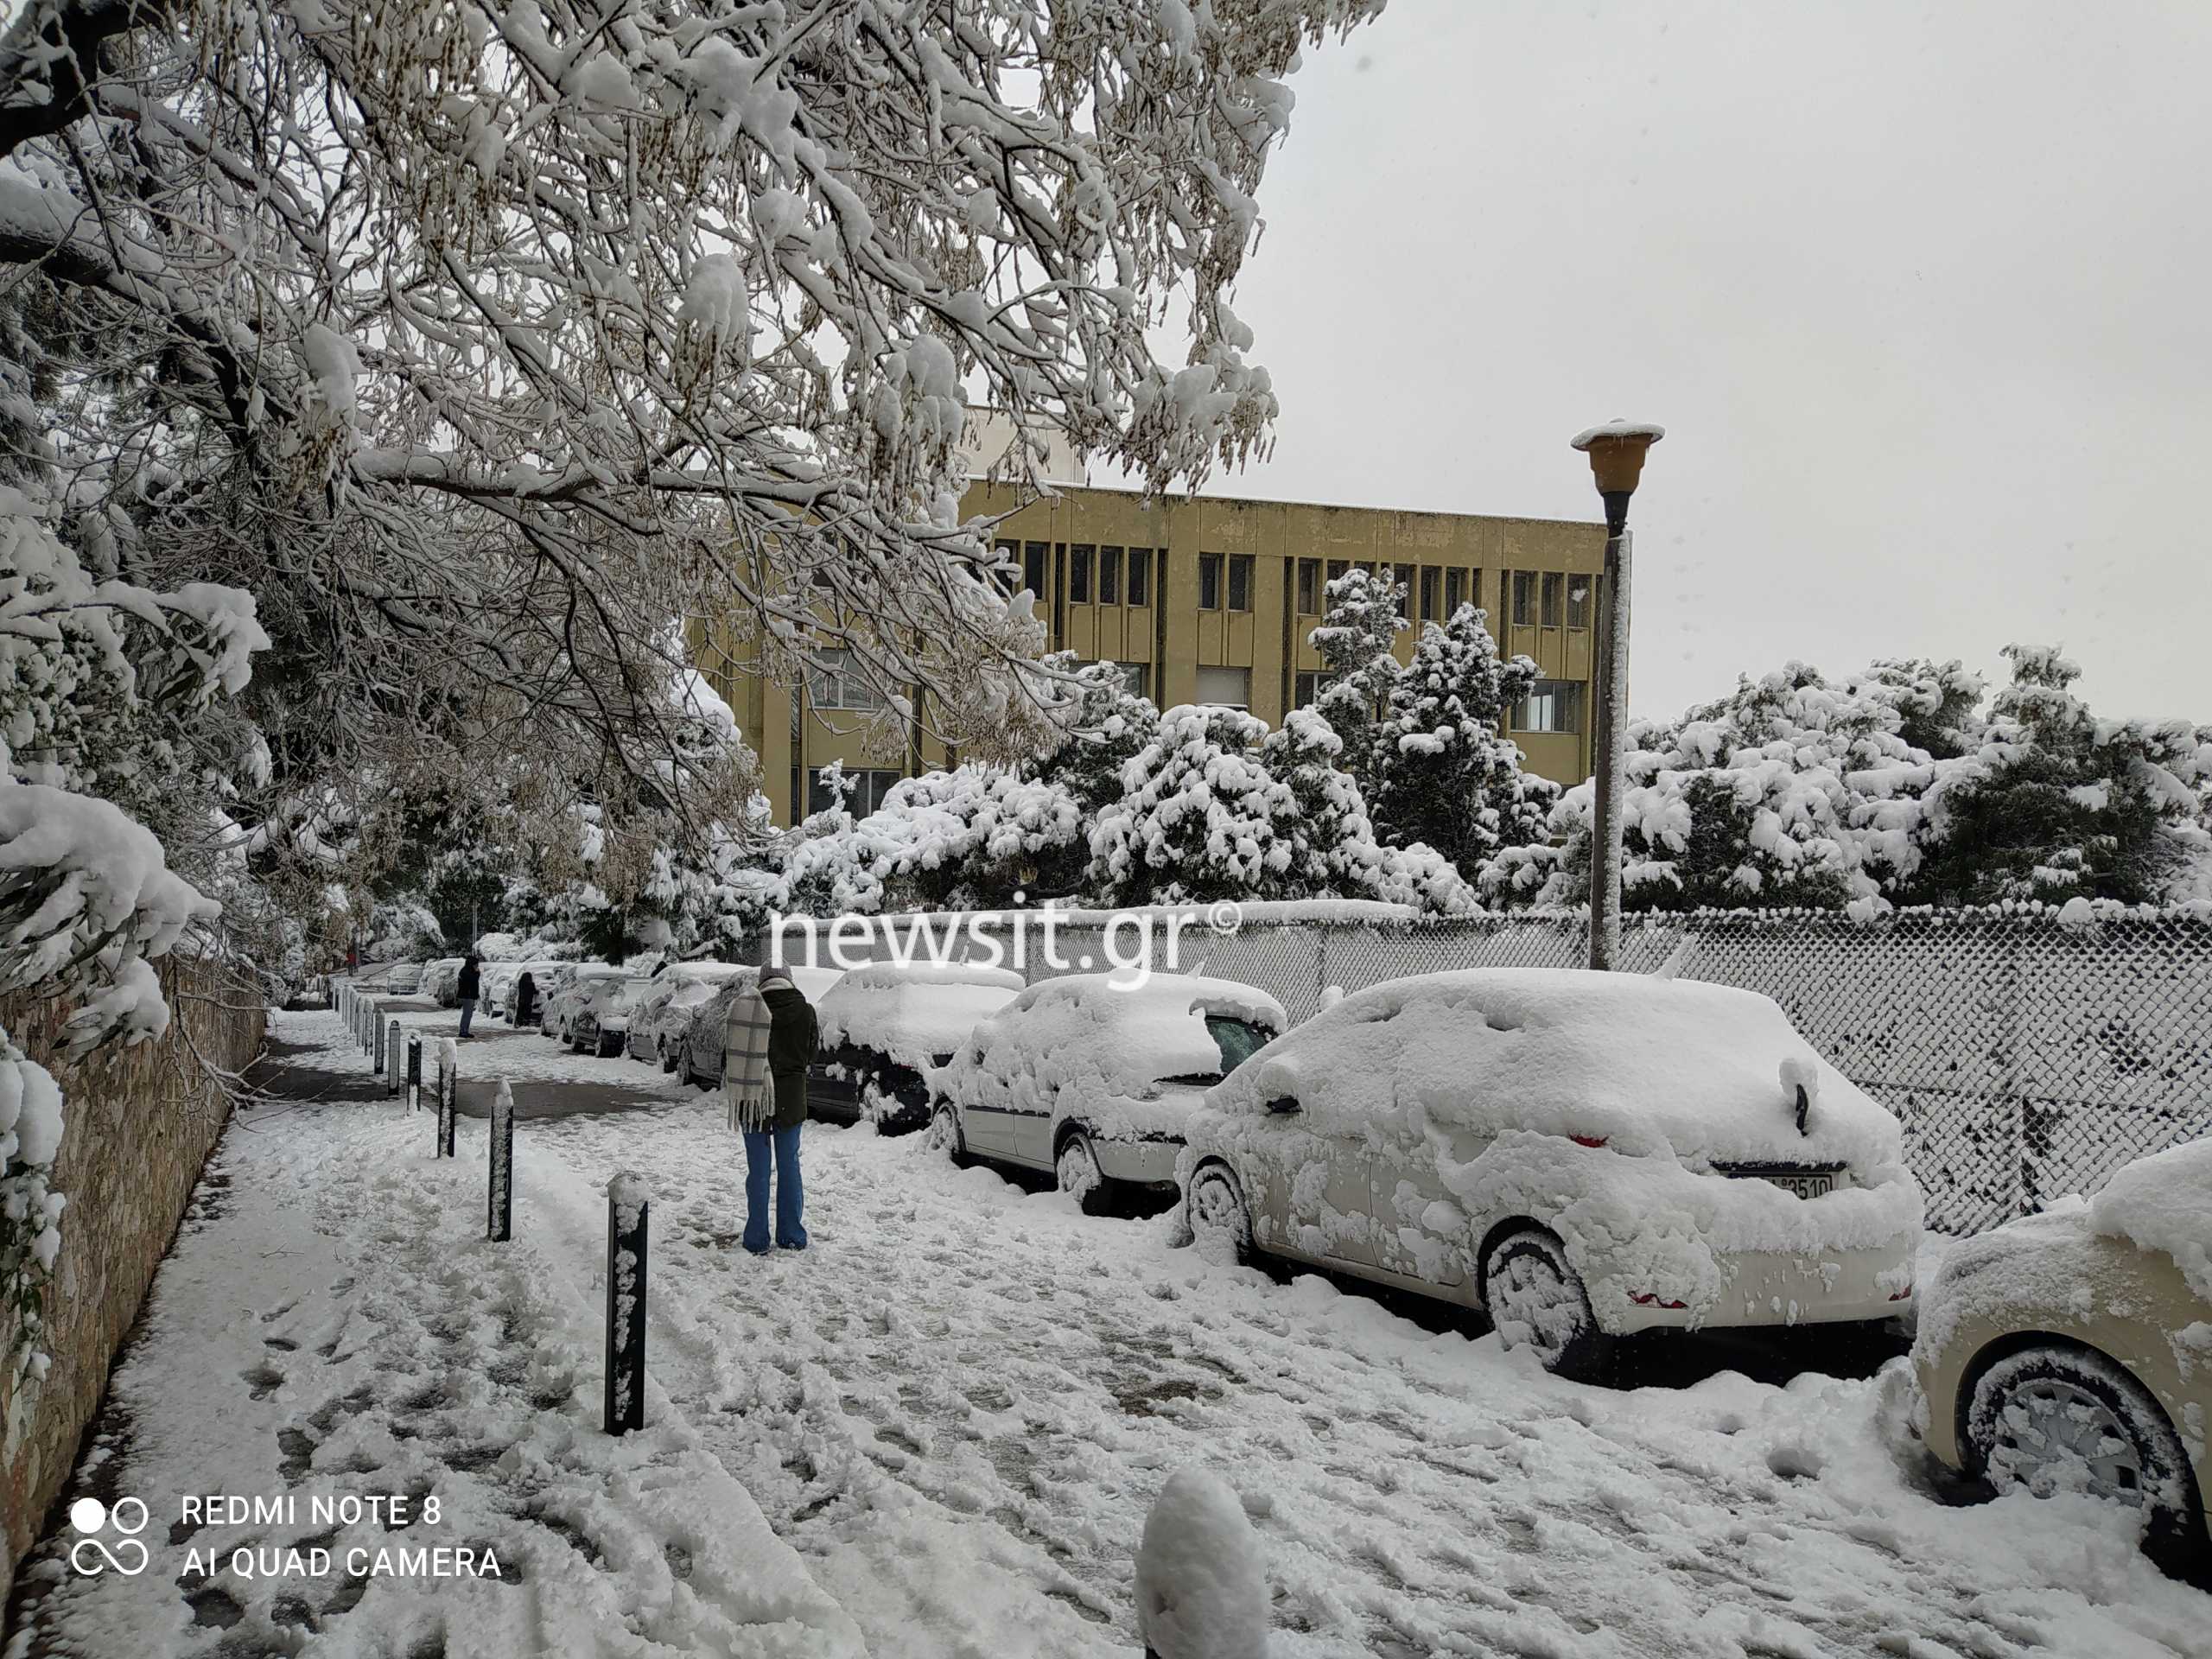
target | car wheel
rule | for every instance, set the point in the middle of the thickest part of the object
(2053, 1419)
(944, 1136)
(1221, 1227)
(1079, 1175)
(1536, 1302)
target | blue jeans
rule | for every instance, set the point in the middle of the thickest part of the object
(781, 1146)
(468, 1009)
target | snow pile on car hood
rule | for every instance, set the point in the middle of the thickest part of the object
(1092, 1047)
(2165, 1202)
(914, 1013)
(1706, 1072)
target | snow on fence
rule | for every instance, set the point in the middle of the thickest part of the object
(2028, 1052)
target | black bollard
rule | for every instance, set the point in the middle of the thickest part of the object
(414, 1071)
(392, 1061)
(626, 1211)
(499, 1223)
(448, 1086)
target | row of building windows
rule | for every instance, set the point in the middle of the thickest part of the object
(1550, 706)
(1097, 574)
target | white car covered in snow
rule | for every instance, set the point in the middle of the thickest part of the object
(886, 1024)
(1094, 1078)
(663, 1014)
(1581, 1154)
(2071, 1351)
(563, 992)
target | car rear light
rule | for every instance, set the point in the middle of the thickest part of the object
(1650, 1299)
(1902, 1295)
(1588, 1139)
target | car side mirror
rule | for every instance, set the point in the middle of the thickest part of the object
(1285, 1103)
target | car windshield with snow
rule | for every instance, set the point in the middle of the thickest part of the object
(886, 1024)
(1584, 1155)
(599, 1020)
(1094, 1078)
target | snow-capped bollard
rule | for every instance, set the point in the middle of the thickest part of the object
(414, 1071)
(391, 1060)
(626, 1211)
(499, 1223)
(1202, 1587)
(377, 1025)
(448, 1088)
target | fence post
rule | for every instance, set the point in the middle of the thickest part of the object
(500, 1223)
(414, 1071)
(626, 1212)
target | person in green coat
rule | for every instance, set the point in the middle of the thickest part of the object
(793, 1036)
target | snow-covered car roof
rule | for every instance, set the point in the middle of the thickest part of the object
(1651, 1064)
(1095, 1036)
(915, 1012)
(705, 973)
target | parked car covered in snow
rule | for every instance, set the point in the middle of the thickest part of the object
(700, 1062)
(2072, 1350)
(1581, 1154)
(886, 1024)
(441, 981)
(663, 1015)
(563, 991)
(402, 978)
(599, 1017)
(1095, 1078)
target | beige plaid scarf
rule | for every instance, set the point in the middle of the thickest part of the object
(747, 1086)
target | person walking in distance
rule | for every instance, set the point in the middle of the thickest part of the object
(467, 988)
(769, 1037)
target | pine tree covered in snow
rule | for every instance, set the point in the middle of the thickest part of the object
(1108, 724)
(2052, 803)
(1444, 772)
(1357, 638)
(1216, 807)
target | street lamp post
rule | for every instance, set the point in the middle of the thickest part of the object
(1616, 451)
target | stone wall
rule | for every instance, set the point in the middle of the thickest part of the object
(139, 1123)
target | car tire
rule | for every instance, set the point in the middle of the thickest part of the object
(1537, 1300)
(943, 1136)
(2055, 1417)
(1220, 1223)
(1077, 1172)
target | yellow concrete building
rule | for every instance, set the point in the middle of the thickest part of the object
(1210, 600)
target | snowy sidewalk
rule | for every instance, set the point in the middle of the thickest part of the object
(957, 1409)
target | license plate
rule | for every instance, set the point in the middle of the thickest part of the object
(1805, 1186)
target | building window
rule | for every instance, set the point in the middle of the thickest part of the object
(1304, 685)
(1554, 589)
(1208, 582)
(1550, 706)
(1135, 676)
(1231, 688)
(1577, 601)
(1139, 576)
(1080, 574)
(1336, 568)
(1110, 575)
(1429, 575)
(1309, 587)
(869, 787)
(834, 681)
(1455, 591)
(1240, 581)
(1032, 567)
(1524, 599)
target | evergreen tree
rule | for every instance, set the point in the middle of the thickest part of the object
(2054, 803)
(1356, 640)
(1443, 773)
(1109, 724)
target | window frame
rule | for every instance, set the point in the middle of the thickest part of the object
(1109, 574)
(1522, 600)
(1579, 611)
(1209, 581)
(1036, 559)
(1565, 703)
(834, 674)
(1137, 590)
(1080, 556)
(1241, 574)
(1551, 599)
(1307, 587)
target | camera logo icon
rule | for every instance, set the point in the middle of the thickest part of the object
(91, 1555)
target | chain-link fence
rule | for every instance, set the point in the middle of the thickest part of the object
(2025, 1058)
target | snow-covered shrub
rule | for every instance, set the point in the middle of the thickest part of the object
(1357, 639)
(1109, 724)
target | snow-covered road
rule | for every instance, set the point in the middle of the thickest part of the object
(958, 1404)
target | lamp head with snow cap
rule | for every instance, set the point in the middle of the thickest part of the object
(1617, 451)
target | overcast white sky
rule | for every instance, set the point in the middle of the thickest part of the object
(1919, 291)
